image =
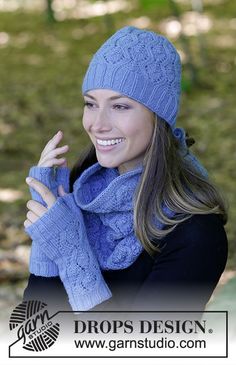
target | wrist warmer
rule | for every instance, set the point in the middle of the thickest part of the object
(39, 263)
(61, 233)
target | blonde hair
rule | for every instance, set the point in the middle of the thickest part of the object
(166, 177)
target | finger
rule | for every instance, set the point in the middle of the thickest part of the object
(46, 159)
(32, 217)
(27, 223)
(58, 151)
(52, 162)
(45, 193)
(61, 190)
(52, 153)
(52, 143)
(36, 208)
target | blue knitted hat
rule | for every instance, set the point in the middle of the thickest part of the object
(142, 65)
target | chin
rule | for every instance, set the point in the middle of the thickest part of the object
(107, 164)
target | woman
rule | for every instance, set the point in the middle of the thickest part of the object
(137, 224)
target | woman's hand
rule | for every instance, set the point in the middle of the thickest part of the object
(36, 210)
(50, 152)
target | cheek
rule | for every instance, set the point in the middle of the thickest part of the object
(130, 131)
(140, 133)
(85, 123)
(144, 135)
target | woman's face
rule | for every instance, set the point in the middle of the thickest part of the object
(119, 127)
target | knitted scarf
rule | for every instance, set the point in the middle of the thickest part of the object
(107, 202)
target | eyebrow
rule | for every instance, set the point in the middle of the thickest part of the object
(111, 98)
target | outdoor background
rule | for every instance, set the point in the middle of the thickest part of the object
(44, 54)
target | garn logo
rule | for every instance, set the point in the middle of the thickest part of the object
(34, 325)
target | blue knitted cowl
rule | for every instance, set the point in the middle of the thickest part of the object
(107, 202)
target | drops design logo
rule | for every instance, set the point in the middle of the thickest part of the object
(34, 326)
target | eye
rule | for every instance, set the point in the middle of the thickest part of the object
(116, 106)
(86, 103)
(121, 107)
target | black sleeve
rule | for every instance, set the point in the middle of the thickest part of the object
(185, 274)
(49, 290)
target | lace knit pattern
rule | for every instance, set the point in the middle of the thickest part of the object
(106, 199)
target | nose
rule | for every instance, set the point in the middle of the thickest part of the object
(101, 122)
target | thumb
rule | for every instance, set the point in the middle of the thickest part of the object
(61, 191)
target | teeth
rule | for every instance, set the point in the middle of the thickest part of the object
(109, 142)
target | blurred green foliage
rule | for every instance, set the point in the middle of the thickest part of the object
(150, 4)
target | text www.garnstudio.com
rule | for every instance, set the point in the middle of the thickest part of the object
(146, 343)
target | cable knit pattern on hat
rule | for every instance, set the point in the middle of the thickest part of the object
(146, 67)
(142, 65)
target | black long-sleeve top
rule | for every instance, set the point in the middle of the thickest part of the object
(182, 277)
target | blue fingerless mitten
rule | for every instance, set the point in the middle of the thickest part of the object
(62, 235)
(39, 263)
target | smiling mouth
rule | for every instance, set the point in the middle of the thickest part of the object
(109, 142)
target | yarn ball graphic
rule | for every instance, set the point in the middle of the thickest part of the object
(43, 337)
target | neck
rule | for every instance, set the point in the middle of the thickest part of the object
(123, 169)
